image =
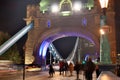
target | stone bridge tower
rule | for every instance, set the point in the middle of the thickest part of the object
(50, 26)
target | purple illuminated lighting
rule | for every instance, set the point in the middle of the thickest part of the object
(43, 48)
(46, 42)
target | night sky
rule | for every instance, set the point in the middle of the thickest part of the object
(12, 13)
(65, 46)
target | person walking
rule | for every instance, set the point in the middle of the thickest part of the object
(65, 68)
(89, 69)
(61, 63)
(51, 70)
(97, 71)
(71, 68)
(77, 68)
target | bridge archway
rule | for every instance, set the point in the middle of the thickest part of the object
(85, 24)
(51, 35)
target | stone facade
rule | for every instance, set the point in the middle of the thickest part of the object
(84, 24)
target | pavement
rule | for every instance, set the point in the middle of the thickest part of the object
(39, 75)
(45, 76)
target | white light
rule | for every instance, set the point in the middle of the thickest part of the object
(54, 8)
(77, 6)
(102, 32)
(104, 3)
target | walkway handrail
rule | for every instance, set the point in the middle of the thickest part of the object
(72, 54)
(5, 46)
(107, 75)
(57, 53)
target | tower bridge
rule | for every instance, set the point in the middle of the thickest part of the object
(49, 26)
(84, 23)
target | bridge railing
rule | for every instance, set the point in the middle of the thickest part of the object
(5, 46)
(107, 75)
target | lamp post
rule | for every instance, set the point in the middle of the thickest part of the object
(104, 43)
(104, 5)
(24, 63)
(102, 33)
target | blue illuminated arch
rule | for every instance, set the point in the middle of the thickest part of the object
(43, 48)
(45, 44)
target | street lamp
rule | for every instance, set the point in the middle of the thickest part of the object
(102, 32)
(104, 5)
(77, 6)
(54, 8)
(104, 43)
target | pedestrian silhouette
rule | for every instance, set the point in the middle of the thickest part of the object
(51, 70)
(97, 71)
(61, 63)
(89, 69)
(65, 68)
(77, 68)
(71, 68)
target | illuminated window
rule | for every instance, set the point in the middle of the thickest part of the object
(48, 23)
(84, 21)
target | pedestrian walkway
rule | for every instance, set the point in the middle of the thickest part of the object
(61, 77)
(45, 76)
